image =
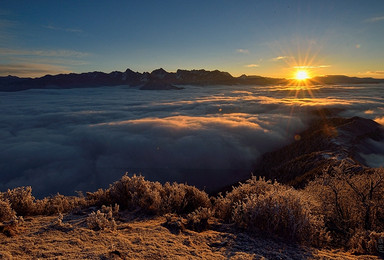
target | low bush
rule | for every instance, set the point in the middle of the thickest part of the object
(224, 205)
(260, 205)
(137, 193)
(24, 203)
(59, 204)
(281, 211)
(182, 198)
(100, 221)
(198, 219)
(363, 242)
(98, 198)
(21, 200)
(129, 192)
(352, 204)
(6, 212)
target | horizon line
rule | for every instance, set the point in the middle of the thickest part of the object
(161, 68)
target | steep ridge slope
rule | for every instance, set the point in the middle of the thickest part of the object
(328, 142)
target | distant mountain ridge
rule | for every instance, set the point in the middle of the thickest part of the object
(158, 79)
(342, 79)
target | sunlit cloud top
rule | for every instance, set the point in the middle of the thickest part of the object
(280, 58)
(252, 65)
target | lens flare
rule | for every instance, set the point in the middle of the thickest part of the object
(301, 75)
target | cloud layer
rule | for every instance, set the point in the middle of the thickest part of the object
(31, 69)
(83, 139)
(33, 63)
(375, 19)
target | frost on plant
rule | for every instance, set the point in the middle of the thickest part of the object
(100, 221)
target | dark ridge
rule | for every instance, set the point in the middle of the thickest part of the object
(342, 79)
(328, 142)
(158, 79)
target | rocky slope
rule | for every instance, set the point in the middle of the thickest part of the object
(328, 142)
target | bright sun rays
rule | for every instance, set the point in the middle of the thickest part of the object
(301, 75)
(302, 66)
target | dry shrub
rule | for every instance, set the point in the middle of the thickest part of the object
(281, 211)
(223, 206)
(136, 192)
(194, 199)
(24, 203)
(363, 242)
(352, 204)
(112, 211)
(129, 192)
(98, 198)
(6, 212)
(152, 197)
(182, 198)
(100, 221)
(198, 219)
(173, 197)
(59, 204)
(21, 200)
(271, 208)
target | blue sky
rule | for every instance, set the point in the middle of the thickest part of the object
(269, 38)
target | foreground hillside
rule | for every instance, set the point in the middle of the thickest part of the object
(146, 238)
(334, 210)
(139, 219)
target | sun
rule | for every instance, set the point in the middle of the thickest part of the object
(301, 75)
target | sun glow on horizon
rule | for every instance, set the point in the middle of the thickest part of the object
(302, 75)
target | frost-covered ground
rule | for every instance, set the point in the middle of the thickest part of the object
(146, 238)
(83, 139)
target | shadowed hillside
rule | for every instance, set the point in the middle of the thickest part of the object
(328, 142)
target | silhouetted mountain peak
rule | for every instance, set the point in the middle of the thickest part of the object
(159, 73)
(157, 79)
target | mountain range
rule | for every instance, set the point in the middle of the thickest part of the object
(158, 79)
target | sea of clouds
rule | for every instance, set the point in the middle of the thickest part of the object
(84, 139)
